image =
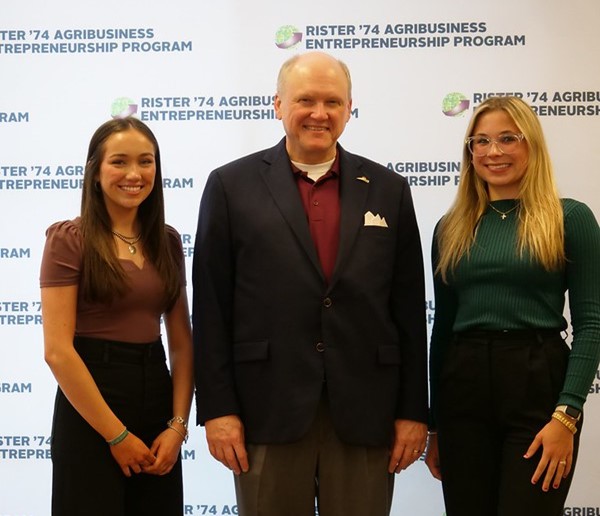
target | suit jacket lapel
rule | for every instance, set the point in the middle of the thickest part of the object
(353, 197)
(277, 174)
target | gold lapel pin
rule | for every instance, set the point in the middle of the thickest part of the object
(364, 179)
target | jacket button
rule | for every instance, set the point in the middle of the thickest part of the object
(320, 347)
(327, 302)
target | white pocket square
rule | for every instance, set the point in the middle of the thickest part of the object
(375, 220)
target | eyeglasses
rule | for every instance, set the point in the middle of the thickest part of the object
(482, 145)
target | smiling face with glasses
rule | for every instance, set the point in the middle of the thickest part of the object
(500, 154)
(481, 145)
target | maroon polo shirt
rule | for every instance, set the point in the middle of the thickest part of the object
(321, 201)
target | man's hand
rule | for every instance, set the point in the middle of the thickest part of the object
(410, 438)
(225, 437)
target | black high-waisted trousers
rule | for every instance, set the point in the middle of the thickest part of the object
(497, 391)
(86, 479)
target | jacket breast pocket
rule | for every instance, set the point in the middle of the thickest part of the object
(253, 351)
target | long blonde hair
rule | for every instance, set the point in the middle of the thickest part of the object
(541, 228)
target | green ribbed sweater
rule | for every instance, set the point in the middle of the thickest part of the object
(495, 289)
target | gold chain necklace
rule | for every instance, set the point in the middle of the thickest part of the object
(503, 214)
(130, 241)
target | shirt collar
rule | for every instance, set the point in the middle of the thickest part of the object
(334, 170)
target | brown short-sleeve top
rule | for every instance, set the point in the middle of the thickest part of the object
(134, 317)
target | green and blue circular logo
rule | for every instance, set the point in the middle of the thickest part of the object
(455, 104)
(287, 37)
(123, 107)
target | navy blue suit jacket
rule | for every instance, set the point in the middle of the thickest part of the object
(268, 330)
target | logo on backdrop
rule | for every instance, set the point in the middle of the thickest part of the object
(20, 313)
(428, 173)
(455, 104)
(581, 511)
(544, 103)
(123, 107)
(13, 252)
(24, 447)
(384, 36)
(287, 37)
(15, 388)
(201, 108)
(12, 117)
(86, 41)
(552, 103)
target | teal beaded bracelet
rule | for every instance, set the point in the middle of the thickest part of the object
(119, 438)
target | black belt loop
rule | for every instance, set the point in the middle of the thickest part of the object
(106, 352)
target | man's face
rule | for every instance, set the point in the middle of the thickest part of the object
(314, 106)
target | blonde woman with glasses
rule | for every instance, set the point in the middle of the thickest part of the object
(507, 392)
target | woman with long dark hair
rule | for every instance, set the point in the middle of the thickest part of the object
(107, 278)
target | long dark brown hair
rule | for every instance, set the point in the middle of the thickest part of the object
(103, 278)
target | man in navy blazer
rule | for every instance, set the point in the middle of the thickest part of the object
(309, 313)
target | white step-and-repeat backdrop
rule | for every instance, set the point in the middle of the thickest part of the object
(202, 75)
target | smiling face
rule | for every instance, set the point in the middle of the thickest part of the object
(314, 104)
(501, 172)
(127, 171)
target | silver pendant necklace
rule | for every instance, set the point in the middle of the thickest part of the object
(130, 241)
(503, 214)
